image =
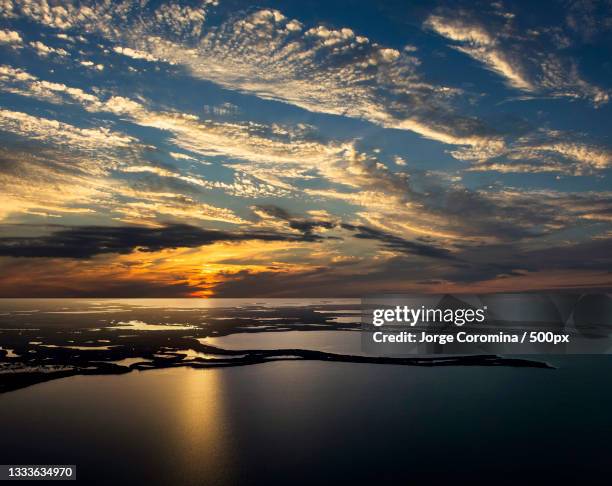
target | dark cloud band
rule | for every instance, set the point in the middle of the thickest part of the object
(88, 241)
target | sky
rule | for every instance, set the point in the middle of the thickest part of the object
(221, 148)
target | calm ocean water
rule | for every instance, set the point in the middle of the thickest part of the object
(295, 423)
(304, 422)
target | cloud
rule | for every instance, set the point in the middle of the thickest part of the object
(424, 203)
(124, 150)
(264, 53)
(305, 226)
(105, 16)
(528, 59)
(44, 50)
(134, 54)
(87, 278)
(272, 158)
(146, 207)
(389, 241)
(398, 244)
(106, 151)
(542, 151)
(10, 37)
(430, 205)
(52, 182)
(19, 81)
(47, 182)
(589, 18)
(47, 130)
(323, 70)
(271, 153)
(501, 268)
(87, 241)
(234, 140)
(336, 71)
(92, 65)
(477, 42)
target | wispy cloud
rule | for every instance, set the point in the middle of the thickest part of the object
(527, 59)
(542, 151)
(134, 54)
(188, 147)
(44, 50)
(263, 52)
(48, 130)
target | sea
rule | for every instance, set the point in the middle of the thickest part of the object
(144, 392)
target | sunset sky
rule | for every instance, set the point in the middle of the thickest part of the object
(304, 148)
